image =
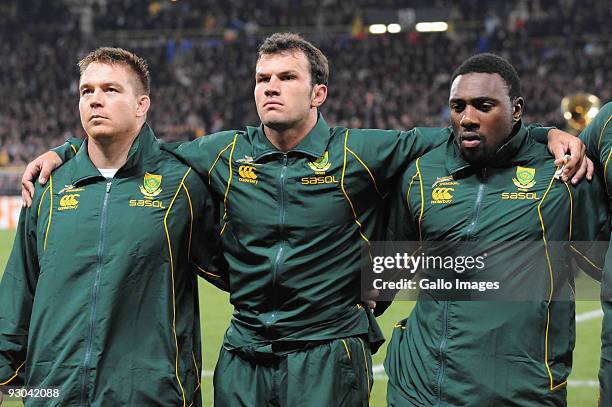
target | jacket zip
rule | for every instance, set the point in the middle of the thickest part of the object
(469, 235)
(477, 206)
(281, 230)
(94, 292)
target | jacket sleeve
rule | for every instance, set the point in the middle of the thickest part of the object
(192, 153)
(401, 226)
(539, 133)
(202, 153)
(69, 149)
(597, 137)
(205, 255)
(17, 290)
(386, 154)
(590, 227)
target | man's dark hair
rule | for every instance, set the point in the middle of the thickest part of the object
(112, 56)
(279, 43)
(491, 63)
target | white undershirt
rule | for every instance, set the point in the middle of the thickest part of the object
(108, 172)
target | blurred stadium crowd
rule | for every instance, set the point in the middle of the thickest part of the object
(202, 55)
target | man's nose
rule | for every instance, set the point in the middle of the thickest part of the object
(273, 87)
(469, 119)
(97, 98)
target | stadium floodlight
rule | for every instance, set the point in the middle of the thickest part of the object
(378, 29)
(394, 28)
(434, 26)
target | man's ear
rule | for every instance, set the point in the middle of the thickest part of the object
(518, 104)
(144, 102)
(319, 94)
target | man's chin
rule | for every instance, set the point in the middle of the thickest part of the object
(100, 133)
(277, 125)
(475, 157)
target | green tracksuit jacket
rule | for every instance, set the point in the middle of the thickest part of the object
(98, 297)
(492, 353)
(598, 139)
(293, 227)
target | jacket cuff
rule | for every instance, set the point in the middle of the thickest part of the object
(540, 134)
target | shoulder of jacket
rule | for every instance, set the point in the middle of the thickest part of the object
(169, 164)
(166, 161)
(606, 109)
(214, 141)
(536, 152)
(224, 137)
(62, 175)
(435, 156)
(368, 134)
(366, 142)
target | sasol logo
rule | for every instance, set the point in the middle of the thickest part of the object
(328, 179)
(441, 195)
(247, 174)
(519, 195)
(69, 202)
(146, 203)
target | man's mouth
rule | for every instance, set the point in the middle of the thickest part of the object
(272, 103)
(469, 140)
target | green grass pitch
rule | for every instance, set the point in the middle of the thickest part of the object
(216, 312)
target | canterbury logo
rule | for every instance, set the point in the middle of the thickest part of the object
(247, 174)
(246, 171)
(441, 195)
(69, 202)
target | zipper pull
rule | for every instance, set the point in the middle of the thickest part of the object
(108, 186)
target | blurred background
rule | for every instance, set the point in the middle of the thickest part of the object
(390, 63)
(202, 55)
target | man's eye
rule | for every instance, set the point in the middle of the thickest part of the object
(261, 79)
(457, 107)
(85, 91)
(484, 105)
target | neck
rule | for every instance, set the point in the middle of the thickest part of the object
(110, 152)
(287, 138)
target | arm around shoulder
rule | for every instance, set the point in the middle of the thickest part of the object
(202, 153)
(590, 227)
(387, 153)
(206, 258)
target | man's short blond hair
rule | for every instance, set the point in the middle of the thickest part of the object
(112, 56)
